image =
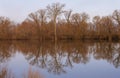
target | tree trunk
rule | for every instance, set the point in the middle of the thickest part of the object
(55, 32)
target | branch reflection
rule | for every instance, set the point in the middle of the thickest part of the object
(55, 58)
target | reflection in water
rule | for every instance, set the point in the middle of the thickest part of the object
(45, 55)
(6, 51)
(32, 74)
(6, 73)
(55, 58)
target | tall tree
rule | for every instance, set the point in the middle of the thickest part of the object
(97, 27)
(67, 15)
(107, 26)
(76, 19)
(54, 11)
(38, 18)
(42, 16)
(116, 16)
(5, 28)
(34, 17)
(84, 23)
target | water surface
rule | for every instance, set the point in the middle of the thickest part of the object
(65, 59)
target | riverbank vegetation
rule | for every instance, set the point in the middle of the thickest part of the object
(56, 23)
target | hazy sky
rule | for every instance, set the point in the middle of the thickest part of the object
(18, 10)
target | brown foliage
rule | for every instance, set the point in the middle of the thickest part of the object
(50, 24)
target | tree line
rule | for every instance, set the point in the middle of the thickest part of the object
(56, 23)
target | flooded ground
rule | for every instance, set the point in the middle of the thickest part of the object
(64, 59)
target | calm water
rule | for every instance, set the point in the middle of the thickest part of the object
(63, 59)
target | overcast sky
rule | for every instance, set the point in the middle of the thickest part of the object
(18, 10)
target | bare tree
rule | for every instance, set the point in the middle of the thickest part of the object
(84, 17)
(76, 18)
(5, 28)
(54, 11)
(116, 16)
(67, 15)
(96, 23)
(84, 23)
(38, 18)
(107, 27)
(34, 17)
(42, 16)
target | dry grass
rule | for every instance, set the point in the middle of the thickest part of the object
(32, 74)
(5, 73)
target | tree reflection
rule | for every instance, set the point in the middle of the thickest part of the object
(6, 51)
(116, 56)
(108, 51)
(55, 58)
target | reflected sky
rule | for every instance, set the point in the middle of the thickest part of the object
(68, 60)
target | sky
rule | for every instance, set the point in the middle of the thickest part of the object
(18, 10)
